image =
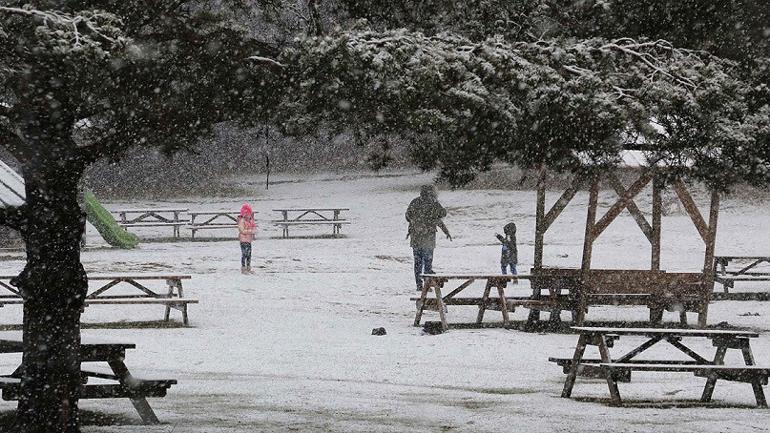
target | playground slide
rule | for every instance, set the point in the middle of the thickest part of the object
(103, 221)
(11, 187)
(12, 194)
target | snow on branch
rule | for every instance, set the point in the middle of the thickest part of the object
(267, 60)
(93, 23)
(635, 49)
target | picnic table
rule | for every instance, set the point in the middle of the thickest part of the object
(143, 291)
(292, 217)
(117, 382)
(727, 277)
(212, 220)
(614, 369)
(152, 217)
(505, 304)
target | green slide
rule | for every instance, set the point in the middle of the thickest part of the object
(102, 219)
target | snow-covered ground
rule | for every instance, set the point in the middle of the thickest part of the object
(290, 348)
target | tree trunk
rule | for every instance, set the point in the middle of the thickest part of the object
(54, 285)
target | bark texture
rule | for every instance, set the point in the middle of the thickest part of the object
(54, 286)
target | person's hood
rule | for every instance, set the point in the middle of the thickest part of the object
(246, 210)
(428, 192)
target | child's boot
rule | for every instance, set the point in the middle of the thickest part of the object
(243, 270)
(248, 270)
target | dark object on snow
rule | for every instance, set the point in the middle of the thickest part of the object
(432, 328)
(379, 331)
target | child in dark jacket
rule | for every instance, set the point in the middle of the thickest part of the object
(509, 257)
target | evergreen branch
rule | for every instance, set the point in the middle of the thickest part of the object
(633, 48)
(14, 217)
(64, 21)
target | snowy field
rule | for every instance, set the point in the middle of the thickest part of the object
(290, 348)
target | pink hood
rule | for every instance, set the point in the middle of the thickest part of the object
(246, 210)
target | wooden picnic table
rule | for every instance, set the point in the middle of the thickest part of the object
(152, 217)
(747, 272)
(311, 216)
(212, 220)
(170, 295)
(505, 304)
(613, 369)
(120, 383)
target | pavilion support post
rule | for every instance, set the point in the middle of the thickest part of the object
(593, 200)
(708, 262)
(540, 229)
(540, 226)
(588, 242)
(657, 210)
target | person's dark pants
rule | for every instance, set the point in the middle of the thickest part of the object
(504, 267)
(245, 254)
(423, 264)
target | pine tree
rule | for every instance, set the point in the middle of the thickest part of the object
(83, 80)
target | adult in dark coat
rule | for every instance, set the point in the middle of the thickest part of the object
(424, 214)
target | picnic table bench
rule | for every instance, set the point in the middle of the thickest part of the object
(171, 296)
(727, 276)
(117, 382)
(615, 369)
(152, 217)
(505, 304)
(293, 217)
(212, 220)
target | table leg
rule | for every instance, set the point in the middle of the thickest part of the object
(708, 390)
(503, 304)
(703, 314)
(759, 393)
(185, 318)
(582, 308)
(573, 370)
(421, 301)
(483, 304)
(440, 303)
(140, 403)
(604, 353)
(534, 315)
(169, 294)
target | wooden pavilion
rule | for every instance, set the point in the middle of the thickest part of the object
(655, 288)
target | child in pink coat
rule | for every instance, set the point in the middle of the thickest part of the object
(246, 229)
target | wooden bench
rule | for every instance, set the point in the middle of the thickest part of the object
(152, 217)
(114, 382)
(756, 376)
(311, 216)
(10, 387)
(658, 290)
(170, 303)
(620, 368)
(172, 298)
(174, 225)
(214, 220)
